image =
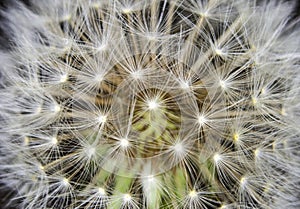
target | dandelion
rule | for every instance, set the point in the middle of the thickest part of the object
(150, 104)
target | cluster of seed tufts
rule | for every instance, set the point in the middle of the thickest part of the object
(148, 104)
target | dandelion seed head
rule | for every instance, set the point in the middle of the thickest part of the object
(38, 109)
(26, 141)
(127, 10)
(101, 47)
(263, 91)
(219, 52)
(101, 191)
(54, 140)
(90, 151)
(63, 78)
(102, 119)
(254, 101)
(140, 97)
(193, 194)
(127, 198)
(217, 157)
(236, 137)
(283, 111)
(223, 84)
(151, 178)
(99, 77)
(202, 120)
(67, 41)
(223, 206)
(137, 74)
(124, 142)
(184, 85)
(179, 148)
(243, 182)
(257, 152)
(152, 104)
(56, 108)
(204, 14)
(95, 5)
(66, 17)
(152, 36)
(65, 182)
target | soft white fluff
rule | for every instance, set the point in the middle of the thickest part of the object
(151, 104)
